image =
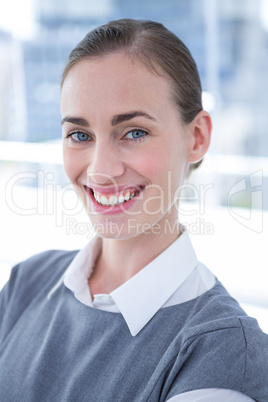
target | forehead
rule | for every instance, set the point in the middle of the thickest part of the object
(116, 80)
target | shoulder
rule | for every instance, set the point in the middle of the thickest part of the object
(221, 348)
(34, 275)
(42, 266)
(30, 280)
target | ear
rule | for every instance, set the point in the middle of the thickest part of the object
(200, 131)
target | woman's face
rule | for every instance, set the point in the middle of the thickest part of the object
(126, 150)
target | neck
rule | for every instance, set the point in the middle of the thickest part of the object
(121, 259)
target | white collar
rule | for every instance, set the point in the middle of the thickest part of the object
(144, 294)
(151, 287)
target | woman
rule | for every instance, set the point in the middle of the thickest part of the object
(133, 316)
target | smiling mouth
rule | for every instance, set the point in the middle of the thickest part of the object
(112, 200)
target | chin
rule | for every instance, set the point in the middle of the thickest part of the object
(125, 230)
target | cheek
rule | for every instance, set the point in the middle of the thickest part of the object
(159, 164)
(74, 164)
(148, 165)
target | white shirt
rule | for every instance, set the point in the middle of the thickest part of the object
(174, 277)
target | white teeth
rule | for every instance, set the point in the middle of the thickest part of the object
(113, 200)
(104, 200)
(97, 197)
(121, 199)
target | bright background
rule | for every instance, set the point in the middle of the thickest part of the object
(227, 200)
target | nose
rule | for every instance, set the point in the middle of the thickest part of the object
(105, 165)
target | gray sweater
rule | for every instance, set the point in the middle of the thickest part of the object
(61, 350)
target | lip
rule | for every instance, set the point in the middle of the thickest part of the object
(110, 209)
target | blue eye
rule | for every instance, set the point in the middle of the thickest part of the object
(135, 134)
(79, 137)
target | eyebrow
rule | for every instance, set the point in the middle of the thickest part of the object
(117, 119)
(121, 118)
(79, 121)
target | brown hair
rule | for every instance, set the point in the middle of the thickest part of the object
(154, 46)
